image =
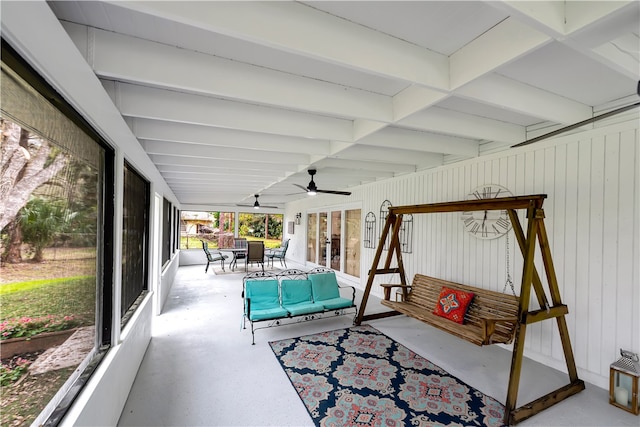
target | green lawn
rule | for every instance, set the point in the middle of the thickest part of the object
(74, 296)
(194, 242)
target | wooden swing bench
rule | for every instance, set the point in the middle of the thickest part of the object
(492, 317)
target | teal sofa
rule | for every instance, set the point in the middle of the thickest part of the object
(273, 299)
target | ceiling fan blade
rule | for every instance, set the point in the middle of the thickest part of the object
(342, 193)
(257, 205)
(261, 206)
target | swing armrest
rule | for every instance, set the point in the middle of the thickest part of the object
(387, 289)
(489, 326)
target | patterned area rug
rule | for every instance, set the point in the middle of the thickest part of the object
(360, 377)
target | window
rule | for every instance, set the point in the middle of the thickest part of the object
(312, 239)
(218, 229)
(176, 229)
(226, 227)
(135, 241)
(333, 239)
(211, 227)
(59, 205)
(266, 227)
(166, 231)
(353, 226)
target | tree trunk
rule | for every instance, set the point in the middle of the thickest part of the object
(38, 256)
(13, 251)
(23, 170)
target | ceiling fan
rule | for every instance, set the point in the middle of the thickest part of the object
(311, 189)
(257, 205)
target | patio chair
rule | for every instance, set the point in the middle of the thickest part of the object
(239, 243)
(255, 253)
(211, 257)
(278, 253)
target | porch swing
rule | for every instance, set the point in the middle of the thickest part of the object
(492, 317)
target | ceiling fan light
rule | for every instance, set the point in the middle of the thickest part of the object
(256, 205)
(311, 192)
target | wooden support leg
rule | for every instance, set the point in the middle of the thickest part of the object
(525, 292)
(520, 237)
(514, 415)
(557, 300)
(544, 402)
(566, 347)
(514, 373)
(372, 272)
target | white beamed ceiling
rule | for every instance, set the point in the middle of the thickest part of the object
(232, 99)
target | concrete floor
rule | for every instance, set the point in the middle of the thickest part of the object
(201, 370)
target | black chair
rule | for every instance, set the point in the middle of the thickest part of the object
(278, 253)
(255, 253)
(213, 258)
(239, 243)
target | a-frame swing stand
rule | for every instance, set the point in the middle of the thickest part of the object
(536, 232)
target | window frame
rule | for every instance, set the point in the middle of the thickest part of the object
(105, 235)
(167, 209)
(131, 306)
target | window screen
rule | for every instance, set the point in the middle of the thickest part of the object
(135, 240)
(56, 221)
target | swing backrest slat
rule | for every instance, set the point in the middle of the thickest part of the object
(486, 304)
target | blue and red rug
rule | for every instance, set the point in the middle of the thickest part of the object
(360, 377)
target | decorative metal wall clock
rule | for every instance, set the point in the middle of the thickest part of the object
(489, 224)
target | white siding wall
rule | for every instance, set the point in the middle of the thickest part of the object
(592, 210)
(25, 25)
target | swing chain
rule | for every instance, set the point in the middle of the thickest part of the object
(509, 281)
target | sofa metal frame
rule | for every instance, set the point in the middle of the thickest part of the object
(292, 274)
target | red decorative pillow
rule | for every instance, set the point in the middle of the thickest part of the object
(453, 304)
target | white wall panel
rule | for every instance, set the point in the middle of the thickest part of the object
(592, 209)
(610, 199)
(627, 292)
(102, 399)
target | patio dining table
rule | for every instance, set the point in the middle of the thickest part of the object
(235, 252)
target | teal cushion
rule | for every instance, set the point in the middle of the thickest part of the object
(303, 308)
(324, 286)
(263, 294)
(267, 313)
(295, 291)
(335, 303)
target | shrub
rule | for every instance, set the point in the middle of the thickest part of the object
(26, 327)
(12, 372)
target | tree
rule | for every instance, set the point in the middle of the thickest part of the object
(79, 183)
(13, 249)
(261, 225)
(40, 220)
(27, 163)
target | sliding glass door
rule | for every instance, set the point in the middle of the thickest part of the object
(333, 240)
(323, 239)
(312, 237)
(352, 233)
